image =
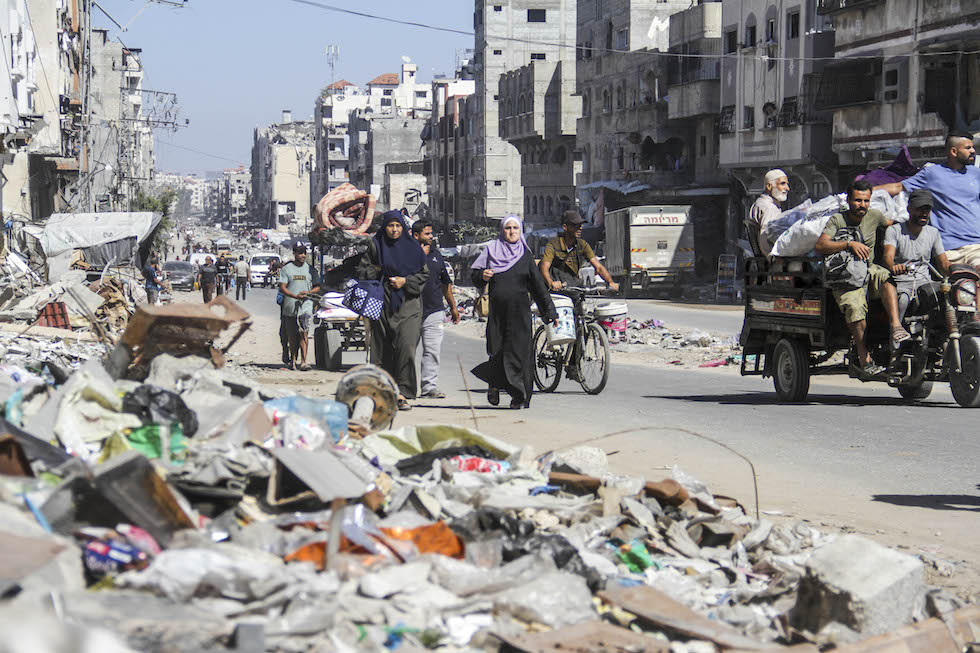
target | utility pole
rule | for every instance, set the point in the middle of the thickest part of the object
(333, 55)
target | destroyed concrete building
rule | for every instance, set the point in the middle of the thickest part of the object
(890, 85)
(379, 140)
(538, 114)
(508, 36)
(236, 187)
(447, 156)
(283, 160)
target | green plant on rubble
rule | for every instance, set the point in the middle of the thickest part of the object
(162, 203)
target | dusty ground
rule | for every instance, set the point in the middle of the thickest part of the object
(828, 508)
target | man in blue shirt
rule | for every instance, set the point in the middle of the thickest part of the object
(955, 187)
(154, 281)
(438, 286)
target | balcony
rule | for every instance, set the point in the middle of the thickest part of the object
(825, 7)
(696, 98)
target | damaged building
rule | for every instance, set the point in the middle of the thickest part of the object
(283, 159)
(904, 73)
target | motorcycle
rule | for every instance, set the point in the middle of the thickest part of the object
(943, 321)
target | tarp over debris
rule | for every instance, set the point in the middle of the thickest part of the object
(67, 231)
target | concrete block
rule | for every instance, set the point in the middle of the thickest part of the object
(863, 585)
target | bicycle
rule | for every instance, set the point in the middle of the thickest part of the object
(589, 353)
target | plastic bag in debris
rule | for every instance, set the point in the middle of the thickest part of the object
(555, 599)
(697, 338)
(90, 411)
(304, 421)
(148, 441)
(520, 538)
(231, 572)
(695, 488)
(158, 406)
(389, 447)
(422, 463)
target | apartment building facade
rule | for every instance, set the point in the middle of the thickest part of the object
(509, 34)
(283, 160)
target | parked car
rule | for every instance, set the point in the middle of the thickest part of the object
(260, 262)
(180, 274)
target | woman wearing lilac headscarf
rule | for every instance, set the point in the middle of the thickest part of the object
(508, 267)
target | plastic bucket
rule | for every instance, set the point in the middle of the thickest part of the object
(564, 333)
(612, 316)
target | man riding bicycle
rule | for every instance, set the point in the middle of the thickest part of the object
(567, 253)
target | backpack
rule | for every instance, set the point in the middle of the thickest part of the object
(843, 270)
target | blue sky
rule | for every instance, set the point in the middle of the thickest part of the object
(235, 64)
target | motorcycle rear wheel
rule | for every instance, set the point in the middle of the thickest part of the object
(965, 384)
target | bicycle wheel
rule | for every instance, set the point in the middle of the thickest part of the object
(548, 362)
(593, 362)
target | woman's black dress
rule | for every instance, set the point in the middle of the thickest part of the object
(510, 367)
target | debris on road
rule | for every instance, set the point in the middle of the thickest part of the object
(211, 514)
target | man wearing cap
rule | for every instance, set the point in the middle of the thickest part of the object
(296, 280)
(567, 253)
(910, 247)
(766, 207)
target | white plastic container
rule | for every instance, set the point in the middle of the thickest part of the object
(564, 333)
(612, 316)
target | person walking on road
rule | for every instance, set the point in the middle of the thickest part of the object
(154, 281)
(207, 279)
(298, 279)
(507, 265)
(438, 286)
(243, 272)
(397, 260)
(224, 274)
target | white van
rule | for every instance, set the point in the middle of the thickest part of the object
(259, 262)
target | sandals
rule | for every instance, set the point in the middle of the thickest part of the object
(868, 372)
(403, 404)
(899, 334)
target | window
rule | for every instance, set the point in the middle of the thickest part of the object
(537, 56)
(498, 8)
(606, 101)
(498, 52)
(894, 81)
(749, 36)
(386, 101)
(622, 39)
(769, 112)
(748, 117)
(731, 41)
(771, 30)
(789, 113)
(497, 182)
(387, 91)
(703, 146)
(793, 25)
(536, 16)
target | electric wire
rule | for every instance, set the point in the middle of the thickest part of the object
(600, 50)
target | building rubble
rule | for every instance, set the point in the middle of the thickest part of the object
(179, 506)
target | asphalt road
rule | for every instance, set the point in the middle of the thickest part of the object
(852, 452)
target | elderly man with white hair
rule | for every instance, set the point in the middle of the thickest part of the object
(766, 207)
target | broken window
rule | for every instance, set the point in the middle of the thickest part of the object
(769, 111)
(789, 113)
(748, 117)
(940, 91)
(537, 56)
(726, 120)
(536, 16)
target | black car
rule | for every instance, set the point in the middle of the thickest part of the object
(180, 274)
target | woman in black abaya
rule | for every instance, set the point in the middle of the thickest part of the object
(508, 267)
(397, 260)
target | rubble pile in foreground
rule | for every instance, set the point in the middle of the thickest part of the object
(192, 510)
